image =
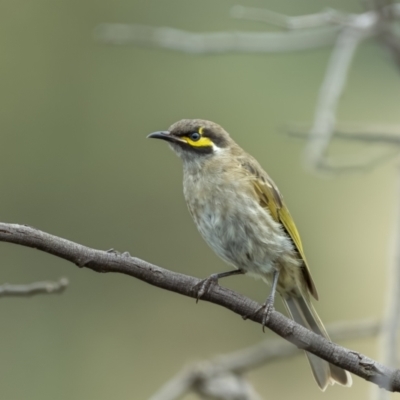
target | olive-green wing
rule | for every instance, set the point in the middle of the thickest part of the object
(270, 198)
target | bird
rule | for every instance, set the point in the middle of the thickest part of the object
(241, 215)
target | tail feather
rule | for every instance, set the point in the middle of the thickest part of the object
(303, 312)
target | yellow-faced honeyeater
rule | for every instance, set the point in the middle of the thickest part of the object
(241, 214)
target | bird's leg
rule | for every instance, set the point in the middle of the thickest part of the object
(204, 285)
(268, 306)
(269, 303)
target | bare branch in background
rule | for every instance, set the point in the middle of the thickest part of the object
(355, 28)
(368, 134)
(214, 42)
(305, 32)
(379, 134)
(317, 20)
(102, 261)
(223, 376)
(208, 381)
(31, 289)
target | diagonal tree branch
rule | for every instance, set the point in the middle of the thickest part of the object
(102, 261)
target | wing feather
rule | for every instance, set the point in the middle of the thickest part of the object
(271, 199)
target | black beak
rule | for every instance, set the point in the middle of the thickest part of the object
(165, 135)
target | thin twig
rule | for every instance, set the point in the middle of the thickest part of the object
(214, 42)
(358, 133)
(361, 134)
(31, 289)
(317, 20)
(102, 261)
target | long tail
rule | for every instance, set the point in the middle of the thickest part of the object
(303, 312)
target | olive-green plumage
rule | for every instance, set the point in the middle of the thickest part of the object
(241, 214)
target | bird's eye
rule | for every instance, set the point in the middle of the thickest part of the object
(195, 136)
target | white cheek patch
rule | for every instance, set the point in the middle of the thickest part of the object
(217, 149)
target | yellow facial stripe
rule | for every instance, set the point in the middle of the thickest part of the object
(202, 142)
(201, 130)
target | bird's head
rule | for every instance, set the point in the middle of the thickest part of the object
(195, 139)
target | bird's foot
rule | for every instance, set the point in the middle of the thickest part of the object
(266, 309)
(254, 313)
(204, 286)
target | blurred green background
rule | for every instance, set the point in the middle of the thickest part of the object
(74, 162)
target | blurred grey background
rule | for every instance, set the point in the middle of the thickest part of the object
(74, 162)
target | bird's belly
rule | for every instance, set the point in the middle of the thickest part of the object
(244, 235)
